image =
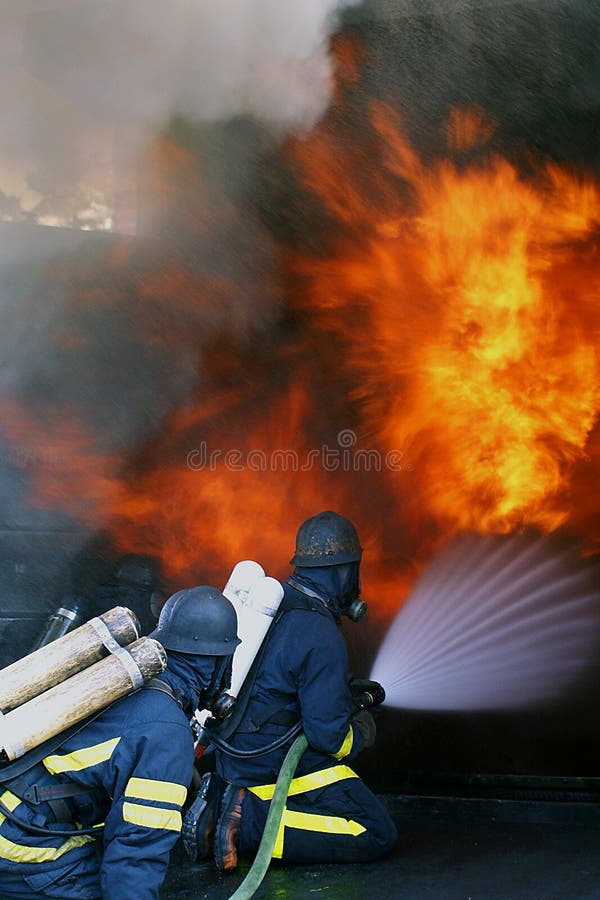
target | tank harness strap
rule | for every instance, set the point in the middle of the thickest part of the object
(305, 602)
(11, 778)
(35, 794)
(137, 679)
(55, 796)
(272, 714)
(155, 684)
(37, 754)
(237, 720)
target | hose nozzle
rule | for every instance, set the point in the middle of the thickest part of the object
(366, 693)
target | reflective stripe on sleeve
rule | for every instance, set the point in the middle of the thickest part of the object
(81, 759)
(160, 791)
(152, 817)
(306, 783)
(346, 746)
(21, 853)
(313, 822)
(9, 801)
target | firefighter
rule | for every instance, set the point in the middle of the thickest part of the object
(330, 814)
(135, 583)
(128, 768)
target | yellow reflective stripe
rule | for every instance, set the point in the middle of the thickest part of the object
(21, 853)
(313, 822)
(148, 789)
(278, 846)
(327, 824)
(346, 746)
(307, 782)
(81, 759)
(10, 802)
(151, 817)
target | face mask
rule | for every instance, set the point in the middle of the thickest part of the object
(350, 603)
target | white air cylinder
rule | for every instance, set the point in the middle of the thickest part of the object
(243, 575)
(256, 598)
(255, 614)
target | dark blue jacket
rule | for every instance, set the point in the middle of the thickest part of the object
(137, 756)
(303, 676)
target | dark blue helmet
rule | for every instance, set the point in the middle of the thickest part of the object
(200, 621)
(326, 539)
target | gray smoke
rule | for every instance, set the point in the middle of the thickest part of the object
(143, 60)
(78, 79)
(84, 87)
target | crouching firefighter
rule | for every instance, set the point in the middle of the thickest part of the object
(299, 682)
(96, 815)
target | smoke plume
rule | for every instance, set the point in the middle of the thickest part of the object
(78, 78)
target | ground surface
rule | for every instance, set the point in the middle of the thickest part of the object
(448, 850)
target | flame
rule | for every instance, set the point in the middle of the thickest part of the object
(204, 498)
(451, 286)
(450, 320)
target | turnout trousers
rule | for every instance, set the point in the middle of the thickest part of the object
(75, 885)
(329, 816)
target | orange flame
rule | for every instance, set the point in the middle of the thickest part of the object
(452, 290)
(200, 503)
(464, 302)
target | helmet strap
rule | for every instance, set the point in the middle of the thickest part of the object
(306, 590)
(347, 600)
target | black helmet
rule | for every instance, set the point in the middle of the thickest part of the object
(326, 539)
(138, 570)
(200, 621)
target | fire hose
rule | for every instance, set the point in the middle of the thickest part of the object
(366, 693)
(258, 870)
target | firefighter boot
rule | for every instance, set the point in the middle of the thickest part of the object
(199, 820)
(227, 832)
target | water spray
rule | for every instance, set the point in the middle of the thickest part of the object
(494, 623)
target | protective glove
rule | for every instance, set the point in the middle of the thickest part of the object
(366, 693)
(365, 723)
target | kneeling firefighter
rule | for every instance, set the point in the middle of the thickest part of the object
(300, 678)
(98, 816)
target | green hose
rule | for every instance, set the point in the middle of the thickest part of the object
(258, 870)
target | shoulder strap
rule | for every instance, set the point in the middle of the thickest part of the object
(155, 684)
(35, 794)
(227, 728)
(36, 754)
(12, 777)
(30, 759)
